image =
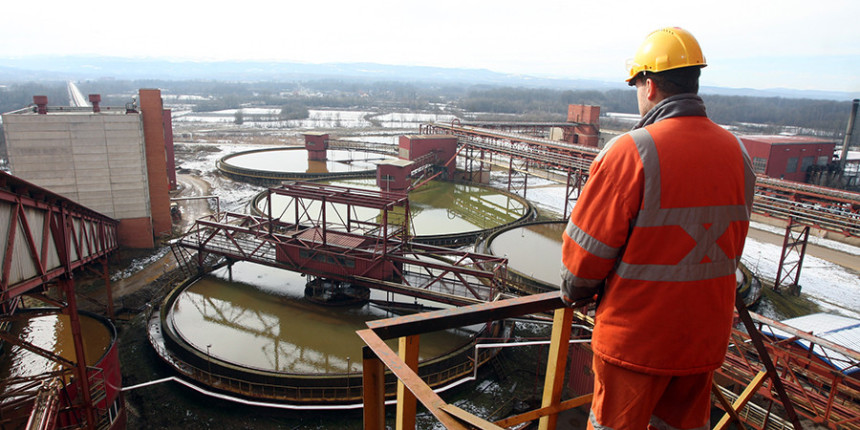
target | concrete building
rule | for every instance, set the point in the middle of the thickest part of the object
(112, 160)
(787, 157)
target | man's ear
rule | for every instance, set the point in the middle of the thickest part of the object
(650, 89)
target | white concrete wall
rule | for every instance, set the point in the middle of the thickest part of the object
(94, 159)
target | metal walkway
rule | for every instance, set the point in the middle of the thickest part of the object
(47, 238)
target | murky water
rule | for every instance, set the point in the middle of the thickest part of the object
(439, 207)
(261, 320)
(533, 250)
(288, 160)
(52, 333)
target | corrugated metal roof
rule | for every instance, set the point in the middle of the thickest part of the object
(332, 238)
(838, 329)
(776, 139)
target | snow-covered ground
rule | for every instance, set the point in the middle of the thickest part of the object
(832, 287)
(317, 118)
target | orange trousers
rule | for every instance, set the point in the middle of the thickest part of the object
(628, 400)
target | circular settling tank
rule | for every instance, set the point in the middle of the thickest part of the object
(443, 212)
(278, 164)
(51, 331)
(533, 252)
(251, 327)
(537, 267)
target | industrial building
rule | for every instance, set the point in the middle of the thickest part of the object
(787, 157)
(115, 160)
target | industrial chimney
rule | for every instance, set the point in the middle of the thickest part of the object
(41, 103)
(95, 99)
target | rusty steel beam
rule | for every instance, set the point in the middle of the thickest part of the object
(414, 325)
(444, 319)
(549, 410)
(764, 356)
(373, 393)
(410, 380)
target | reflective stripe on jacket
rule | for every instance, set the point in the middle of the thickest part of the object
(662, 222)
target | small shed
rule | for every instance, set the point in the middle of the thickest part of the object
(787, 157)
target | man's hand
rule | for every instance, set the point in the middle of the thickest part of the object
(571, 295)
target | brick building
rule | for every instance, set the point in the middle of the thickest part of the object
(787, 157)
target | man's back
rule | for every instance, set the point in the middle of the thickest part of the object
(668, 304)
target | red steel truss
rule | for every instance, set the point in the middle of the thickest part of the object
(47, 237)
(818, 392)
(328, 239)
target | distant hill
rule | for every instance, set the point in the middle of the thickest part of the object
(85, 68)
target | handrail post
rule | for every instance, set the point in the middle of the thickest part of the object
(406, 402)
(373, 378)
(556, 364)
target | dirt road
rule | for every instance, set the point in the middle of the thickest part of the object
(190, 186)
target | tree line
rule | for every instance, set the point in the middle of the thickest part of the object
(533, 103)
(824, 115)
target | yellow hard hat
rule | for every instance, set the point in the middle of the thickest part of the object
(666, 49)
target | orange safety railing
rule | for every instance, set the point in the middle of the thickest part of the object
(377, 356)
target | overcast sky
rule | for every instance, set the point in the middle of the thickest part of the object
(748, 44)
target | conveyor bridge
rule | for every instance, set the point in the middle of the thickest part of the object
(47, 238)
(328, 241)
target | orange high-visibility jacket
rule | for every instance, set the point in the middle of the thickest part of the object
(661, 225)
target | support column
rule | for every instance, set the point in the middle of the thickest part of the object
(83, 382)
(790, 245)
(108, 288)
(556, 365)
(373, 378)
(406, 403)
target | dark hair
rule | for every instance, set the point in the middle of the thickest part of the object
(677, 81)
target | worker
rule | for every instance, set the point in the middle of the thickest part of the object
(656, 236)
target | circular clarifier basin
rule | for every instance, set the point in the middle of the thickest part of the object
(443, 212)
(292, 163)
(533, 252)
(250, 324)
(24, 372)
(534, 258)
(52, 333)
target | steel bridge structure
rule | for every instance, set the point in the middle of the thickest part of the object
(329, 240)
(47, 238)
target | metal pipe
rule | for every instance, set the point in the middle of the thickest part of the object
(848, 132)
(217, 203)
